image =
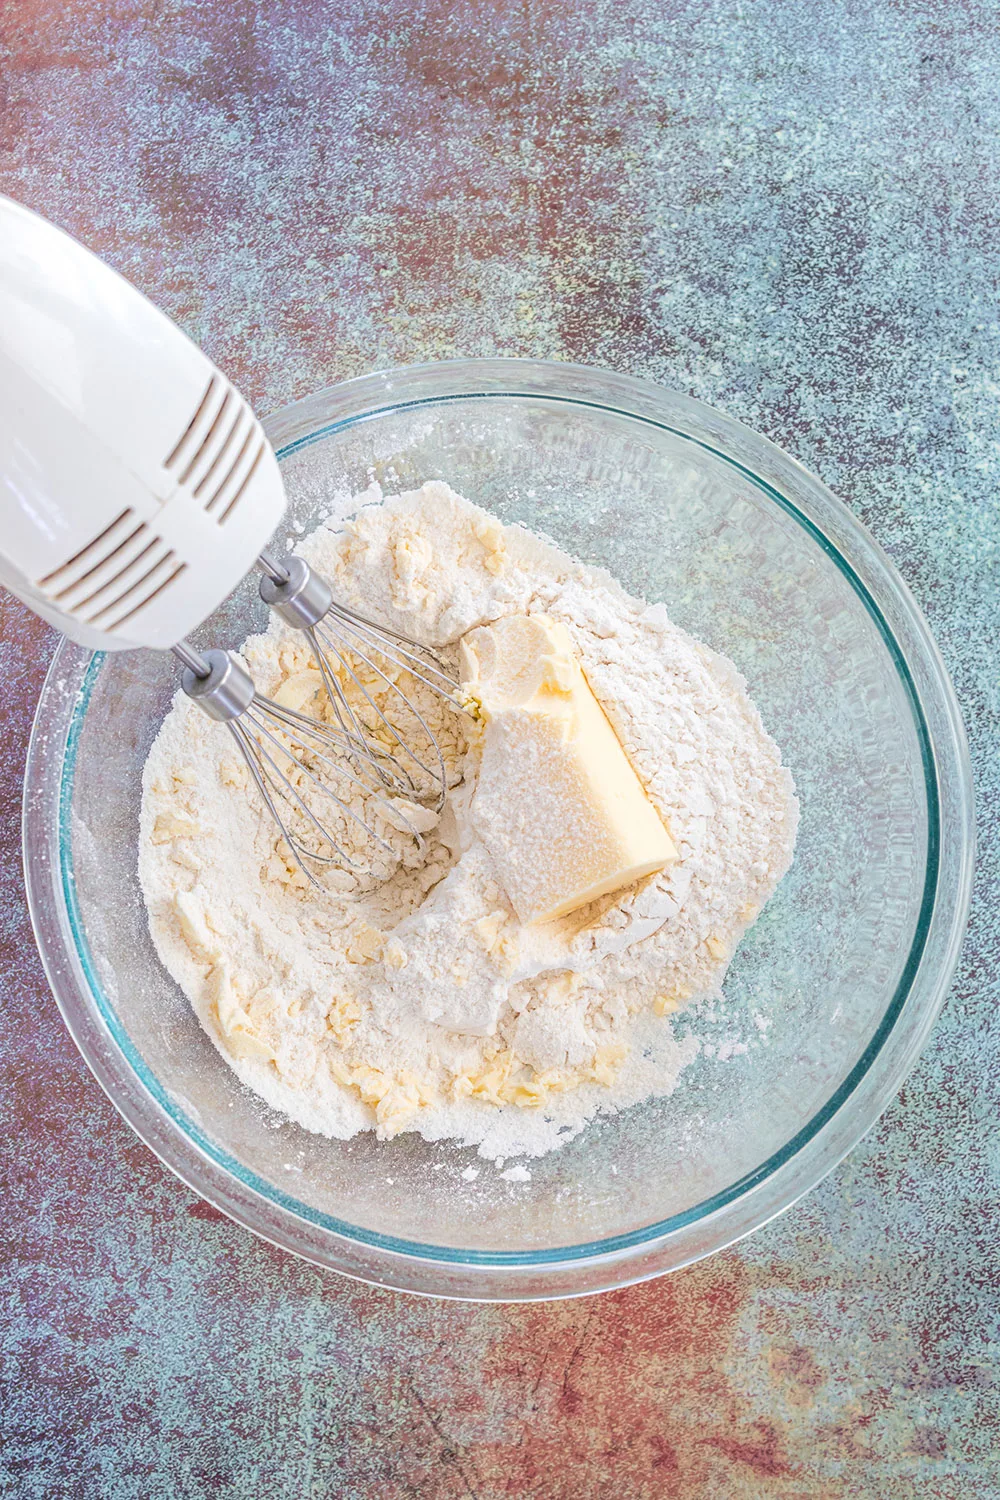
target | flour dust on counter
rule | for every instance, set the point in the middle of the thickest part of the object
(417, 998)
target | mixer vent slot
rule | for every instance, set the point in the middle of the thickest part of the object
(231, 487)
(116, 574)
(188, 437)
(219, 450)
(91, 555)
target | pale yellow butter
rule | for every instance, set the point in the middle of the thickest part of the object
(557, 802)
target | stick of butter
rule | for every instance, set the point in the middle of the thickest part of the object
(557, 802)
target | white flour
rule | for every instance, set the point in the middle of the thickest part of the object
(422, 1003)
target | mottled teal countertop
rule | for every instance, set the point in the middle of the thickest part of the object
(789, 209)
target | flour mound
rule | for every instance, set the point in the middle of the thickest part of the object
(417, 1001)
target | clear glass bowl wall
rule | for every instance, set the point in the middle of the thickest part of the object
(832, 992)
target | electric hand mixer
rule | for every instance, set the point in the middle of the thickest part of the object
(136, 491)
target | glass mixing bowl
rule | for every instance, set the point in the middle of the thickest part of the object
(831, 995)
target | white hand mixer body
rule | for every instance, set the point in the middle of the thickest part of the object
(137, 490)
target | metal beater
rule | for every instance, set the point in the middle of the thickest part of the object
(284, 748)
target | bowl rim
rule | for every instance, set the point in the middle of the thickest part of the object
(724, 1217)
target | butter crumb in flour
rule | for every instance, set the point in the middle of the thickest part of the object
(422, 999)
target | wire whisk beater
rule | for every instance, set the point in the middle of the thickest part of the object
(337, 786)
